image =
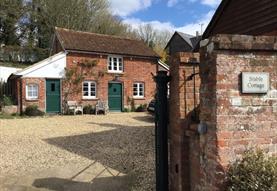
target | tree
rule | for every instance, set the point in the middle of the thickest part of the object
(111, 25)
(82, 15)
(155, 39)
(147, 33)
(30, 23)
(10, 14)
(162, 38)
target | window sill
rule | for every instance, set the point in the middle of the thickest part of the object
(114, 72)
(32, 100)
(139, 98)
(90, 99)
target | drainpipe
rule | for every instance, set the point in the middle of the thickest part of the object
(21, 96)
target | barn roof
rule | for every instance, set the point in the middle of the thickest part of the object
(192, 41)
(252, 17)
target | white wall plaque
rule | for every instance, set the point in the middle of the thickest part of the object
(255, 82)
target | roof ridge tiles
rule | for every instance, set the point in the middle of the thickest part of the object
(98, 34)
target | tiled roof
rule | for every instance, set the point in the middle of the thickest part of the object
(186, 37)
(195, 41)
(99, 43)
(191, 40)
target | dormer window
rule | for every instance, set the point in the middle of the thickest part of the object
(115, 64)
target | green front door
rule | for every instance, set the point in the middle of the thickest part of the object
(115, 96)
(53, 96)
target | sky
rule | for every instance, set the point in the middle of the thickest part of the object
(173, 15)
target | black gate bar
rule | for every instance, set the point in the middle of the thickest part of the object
(161, 136)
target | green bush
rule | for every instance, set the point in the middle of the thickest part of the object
(254, 172)
(33, 110)
(131, 102)
(15, 115)
(127, 110)
(141, 108)
(7, 101)
(89, 109)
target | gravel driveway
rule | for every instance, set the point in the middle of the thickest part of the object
(78, 153)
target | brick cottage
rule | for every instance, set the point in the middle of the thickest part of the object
(87, 67)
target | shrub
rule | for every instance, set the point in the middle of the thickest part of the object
(88, 109)
(127, 110)
(7, 101)
(15, 114)
(254, 172)
(33, 110)
(131, 102)
(141, 108)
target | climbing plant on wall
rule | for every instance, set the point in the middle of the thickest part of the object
(75, 75)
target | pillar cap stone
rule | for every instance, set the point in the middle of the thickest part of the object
(241, 42)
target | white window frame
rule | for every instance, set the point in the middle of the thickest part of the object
(137, 84)
(30, 88)
(89, 90)
(117, 64)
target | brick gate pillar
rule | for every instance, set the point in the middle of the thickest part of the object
(181, 104)
(236, 121)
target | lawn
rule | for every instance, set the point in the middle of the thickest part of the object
(6, 116)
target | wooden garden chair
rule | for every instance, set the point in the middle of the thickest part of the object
(101, 106)
(74, 107)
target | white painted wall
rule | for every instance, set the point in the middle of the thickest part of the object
(5, 72)
(52, 67)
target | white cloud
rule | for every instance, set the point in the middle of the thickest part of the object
(171, 3)
(212, 3)
(189, 28)
(128, 7)
(135, 23)
(125, 8)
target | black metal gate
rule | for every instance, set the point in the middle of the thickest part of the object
(161, 135)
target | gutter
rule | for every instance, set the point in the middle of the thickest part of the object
(164, 65)
(108, 53)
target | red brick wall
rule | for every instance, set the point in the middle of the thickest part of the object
(198, 162)
(181, 108)
(135, 70)
(40, 102)
(233, 128)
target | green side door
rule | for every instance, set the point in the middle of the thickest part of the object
(53, 96)
(115, 96)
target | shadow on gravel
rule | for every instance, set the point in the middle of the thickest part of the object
(126, 149)
(99, 184)
(148, 118)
